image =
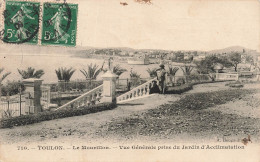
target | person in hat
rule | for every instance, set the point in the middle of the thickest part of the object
(161, 74)
(154, 87)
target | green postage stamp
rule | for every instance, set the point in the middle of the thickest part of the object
(59, 24)
(21, 22)
(58, 21)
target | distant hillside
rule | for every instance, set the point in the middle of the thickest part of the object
(232, 49)
(36, 49)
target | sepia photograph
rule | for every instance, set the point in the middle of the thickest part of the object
(129, 80)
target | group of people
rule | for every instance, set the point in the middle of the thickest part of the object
(161, 76)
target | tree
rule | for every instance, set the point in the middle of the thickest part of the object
(235, 59)
(31, 73)
(92, 71)
(187, 69)
(2, 78)
(172, 72)
(118, 70)
(207, 65)
(64, 74)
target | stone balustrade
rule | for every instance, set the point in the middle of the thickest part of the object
(46, 97)
(138, 92)
(89, 98)
(227, 76)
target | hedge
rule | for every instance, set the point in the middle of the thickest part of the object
(50, 115)
(179, 89)
(186, 87)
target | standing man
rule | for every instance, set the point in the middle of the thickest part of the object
(161, 74)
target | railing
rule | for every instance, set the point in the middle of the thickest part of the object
(138, 92)
(12, 108)
(88, 98)
(73, 86)
(226, 76)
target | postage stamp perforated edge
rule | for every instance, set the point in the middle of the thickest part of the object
(76, 23)
(2, 20)
(39, 42)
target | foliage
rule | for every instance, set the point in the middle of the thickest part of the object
(118, 70)
(12, 88)
(50, 115)
(3, 76)
(152, 72)
(7, 114)
(172, 71)
(183, 117)
(250, 59)
(64, 74)
(31, 73)
(206, 66)
(179, 89)
(180, 81)
(187, 69)
(134, 74)
(92, 71)
(235, 59)
(197, 77)
(135, 78)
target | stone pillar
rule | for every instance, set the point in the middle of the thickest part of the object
(33, 89)
(109, 87)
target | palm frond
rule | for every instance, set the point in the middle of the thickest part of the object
(31, 73)
(4, 76)
(92, 71)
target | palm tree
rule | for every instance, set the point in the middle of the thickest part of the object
(92, 72)
(152, 72)
(118, 70)
(31, 73)
(186, 71)
(135, 78)
(172, 72)
(64, 74)
(2, 77)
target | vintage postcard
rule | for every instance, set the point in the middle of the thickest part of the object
(129, 80)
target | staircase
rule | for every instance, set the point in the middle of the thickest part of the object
(86, 99)
(136, 93)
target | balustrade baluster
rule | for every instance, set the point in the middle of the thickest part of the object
(142, 92)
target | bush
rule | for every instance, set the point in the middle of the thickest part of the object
(180, 81)
(50, 115)
(179, 89)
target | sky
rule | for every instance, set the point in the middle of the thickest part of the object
(169, 24)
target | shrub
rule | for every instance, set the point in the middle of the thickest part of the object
(179, 89)
(152, 72)
(180, 81)
(50, 115)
